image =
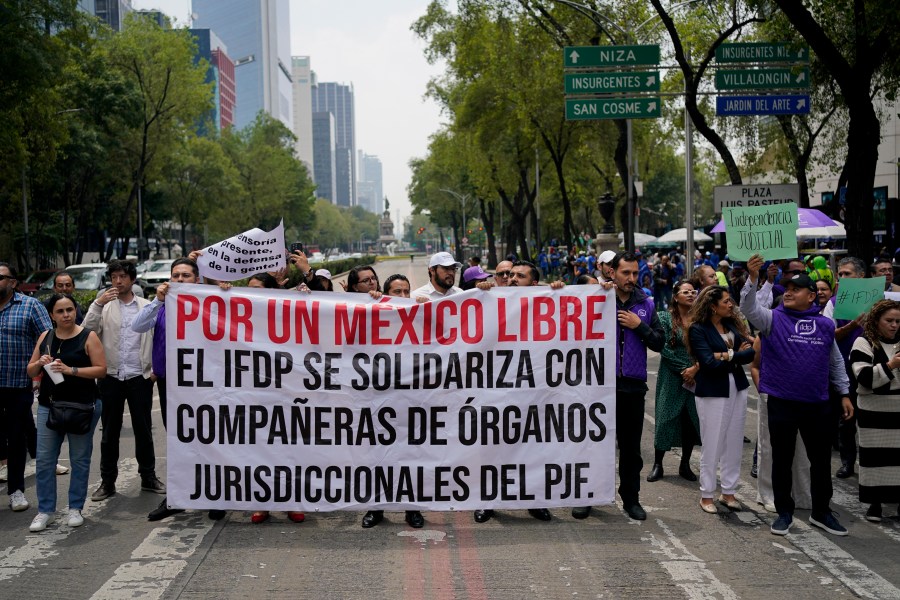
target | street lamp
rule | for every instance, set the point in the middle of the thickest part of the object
(463, 199)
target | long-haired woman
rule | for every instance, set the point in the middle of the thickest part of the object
(721, 345)
(875, 360)
(677, 423)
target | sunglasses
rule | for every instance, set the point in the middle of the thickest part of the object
(368, 280)
(796, 272)
(4, 277)
(503, 274)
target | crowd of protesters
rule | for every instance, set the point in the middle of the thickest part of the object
(707, 329)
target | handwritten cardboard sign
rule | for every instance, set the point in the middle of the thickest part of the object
(770, 231)
(856, 296)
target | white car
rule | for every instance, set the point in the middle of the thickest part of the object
(157, 273)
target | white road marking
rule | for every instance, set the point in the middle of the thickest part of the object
(158, 560)
(687, 571)
(40, 547)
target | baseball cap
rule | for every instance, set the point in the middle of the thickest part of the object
(724, 263)
(475, 272)
(606, 256)
(443, 259)
(801, 280)
(324, 273)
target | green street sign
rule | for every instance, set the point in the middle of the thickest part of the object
(610, 56)
(612, 83)
(760, 52)
(762, 79)
(613, 108)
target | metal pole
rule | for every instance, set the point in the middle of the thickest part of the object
(140, 208)
(629, 196)
(25, 217)
(688, 187)
(537, 200)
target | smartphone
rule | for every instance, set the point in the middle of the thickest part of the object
(296, 246)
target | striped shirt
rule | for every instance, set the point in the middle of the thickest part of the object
(22, 321)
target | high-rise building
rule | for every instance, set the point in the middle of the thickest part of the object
(111, 12)
(220, 74)
(258, 38)
(337, 99)
(303, 111)
(324, 165)
(370, 184)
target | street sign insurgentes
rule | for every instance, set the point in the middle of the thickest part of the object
(760, 52)
(762, 79)
(610, 56)
(613, 108)
(738, 106)
(612, 83)
(762, 194)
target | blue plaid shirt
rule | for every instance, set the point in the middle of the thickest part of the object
(22, 321)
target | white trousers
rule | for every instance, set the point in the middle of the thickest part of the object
(800, 469)
(722, 432)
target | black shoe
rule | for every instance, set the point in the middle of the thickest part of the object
(415, 519)
(541, 514)
(656, 473)
(103, 491)
(845, 471)
(483, 516)
(581, 512)
(216, 515)
(754, 471)
(636, 512)
(162, 511)
(153, 484)
(746, 440)
(873, 515)
(372, 518)
(684, 469)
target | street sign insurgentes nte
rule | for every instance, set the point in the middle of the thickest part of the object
(762, 52)
(612, 108)
(610, 56)
(612, 82)
(737, 106)
(762, 79)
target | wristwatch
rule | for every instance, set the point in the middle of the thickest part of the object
(74, 371)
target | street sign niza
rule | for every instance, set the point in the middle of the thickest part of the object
(610, 56)
(612, 108)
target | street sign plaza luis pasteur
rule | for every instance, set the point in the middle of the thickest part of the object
(601, 79)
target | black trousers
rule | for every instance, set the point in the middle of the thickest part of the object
(847, 433)
(814, 422)
(138, 392)
(629, 428)
(163, 399)
(17, 423)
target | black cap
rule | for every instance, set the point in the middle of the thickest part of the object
(801, 280)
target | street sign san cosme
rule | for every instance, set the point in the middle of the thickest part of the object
(610, 56)
(762, 194)
(612, 82)
(612, 108)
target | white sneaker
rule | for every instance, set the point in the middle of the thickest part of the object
(75, 518)
(61, 469)
(2, 473)
(17, 501)
(40, 522)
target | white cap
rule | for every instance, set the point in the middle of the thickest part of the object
(606, 256)
(324, 273)
(443, 259)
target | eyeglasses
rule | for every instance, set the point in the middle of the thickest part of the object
(688, 292)
(450, 268)
(2, 277)
(368, 280)
(503, 274)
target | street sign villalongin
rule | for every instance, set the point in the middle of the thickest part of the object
(741, 106)
(762, 79)
(612, 108)
(612, 83)
(610, 56)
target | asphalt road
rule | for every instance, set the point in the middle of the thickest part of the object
(678, 552)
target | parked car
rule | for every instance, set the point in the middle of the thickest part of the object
(86, 277)
(157, 273)
(33, 282)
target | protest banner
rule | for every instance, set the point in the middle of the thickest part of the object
(856, 296)
(895, 296)
(280, 400)
(248, 253)
(770, 231)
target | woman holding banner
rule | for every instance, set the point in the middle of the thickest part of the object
(875, 360)
(677, 423)
(721, 344)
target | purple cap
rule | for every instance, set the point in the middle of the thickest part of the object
(475, 273)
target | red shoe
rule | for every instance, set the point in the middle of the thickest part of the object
(259, 517)
(296, 517)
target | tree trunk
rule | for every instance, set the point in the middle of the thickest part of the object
(487, 217)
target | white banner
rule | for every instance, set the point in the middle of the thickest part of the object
(281, 400)
(248, 253)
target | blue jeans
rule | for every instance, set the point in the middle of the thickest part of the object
(49, 443)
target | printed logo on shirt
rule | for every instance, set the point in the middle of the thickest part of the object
(805, 327)
(642, 313)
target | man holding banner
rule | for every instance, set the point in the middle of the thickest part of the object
(638, 329)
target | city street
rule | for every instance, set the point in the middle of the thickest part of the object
(678, 552)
